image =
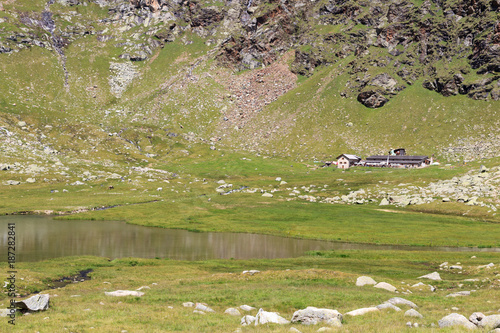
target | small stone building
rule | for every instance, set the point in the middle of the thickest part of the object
(346, 161)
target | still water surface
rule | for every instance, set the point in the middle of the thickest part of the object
(41, 237)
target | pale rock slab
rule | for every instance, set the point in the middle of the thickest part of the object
(232, 312)
(313, 316)
(247, 307)
(456, 319)
(35, 303)
(388, 306)
(413, 313)
(432, 276)
(402, 301)
(490, 322)
(120, 293)
(247, 320)
(362, 311)
(364, 280)
(460, 293)
(264, 317)
(386, 286)
(203, 307)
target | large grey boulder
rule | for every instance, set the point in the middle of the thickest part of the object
(401, 301)
(313, 316)
(362, 311)
(38, 302)
(490, 322)
(364, 280)
(476, 318)
(264, 317)
(432, 276)
(456, 319)
(121, 293)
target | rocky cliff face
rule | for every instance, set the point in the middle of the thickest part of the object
(454, 46)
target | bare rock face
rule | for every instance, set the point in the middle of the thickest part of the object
(34, 303)
(372, 99)
(313, 316)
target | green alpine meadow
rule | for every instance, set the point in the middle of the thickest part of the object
(249, 166)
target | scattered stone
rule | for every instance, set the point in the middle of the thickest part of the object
(232, 312)
(456, 267)
(460, 293)
(313, 316)
(251, 272)
(203, 307)
(364, 280)
(267, 195)
(432, 276)
(31, 180)
(188, 304)
(247, 307)
(413, 313)
(247, 320)
(456, 319)
(401, 301)
(35, 303)
(362, 311)
(21, 124)
(12, 182)
(278, 179)
(388, 306)
(264, 317)
(120, 293)
(386, 286)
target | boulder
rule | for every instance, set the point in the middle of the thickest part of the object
(363, 280)
(460, 293)
(247, 307)
(203, 307)
(401, 301)
(362, 311)
(432, 276)
(31, 180)
(490, 322)
(247, 320)
(413, 313)
(120, 293)
(476, 318)
(264, 317)
(12, 182)
(386, 286)
(251, 272)
(34, 303)
(267, 195)
(384, 202)
(232, 312)
(388, 306)
(456, 319)
(313, 316)
(372, 99)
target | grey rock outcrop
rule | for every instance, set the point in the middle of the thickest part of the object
(456, 319)
(34, 303)
(313, 316)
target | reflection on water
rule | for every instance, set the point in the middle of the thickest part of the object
(40, 237)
